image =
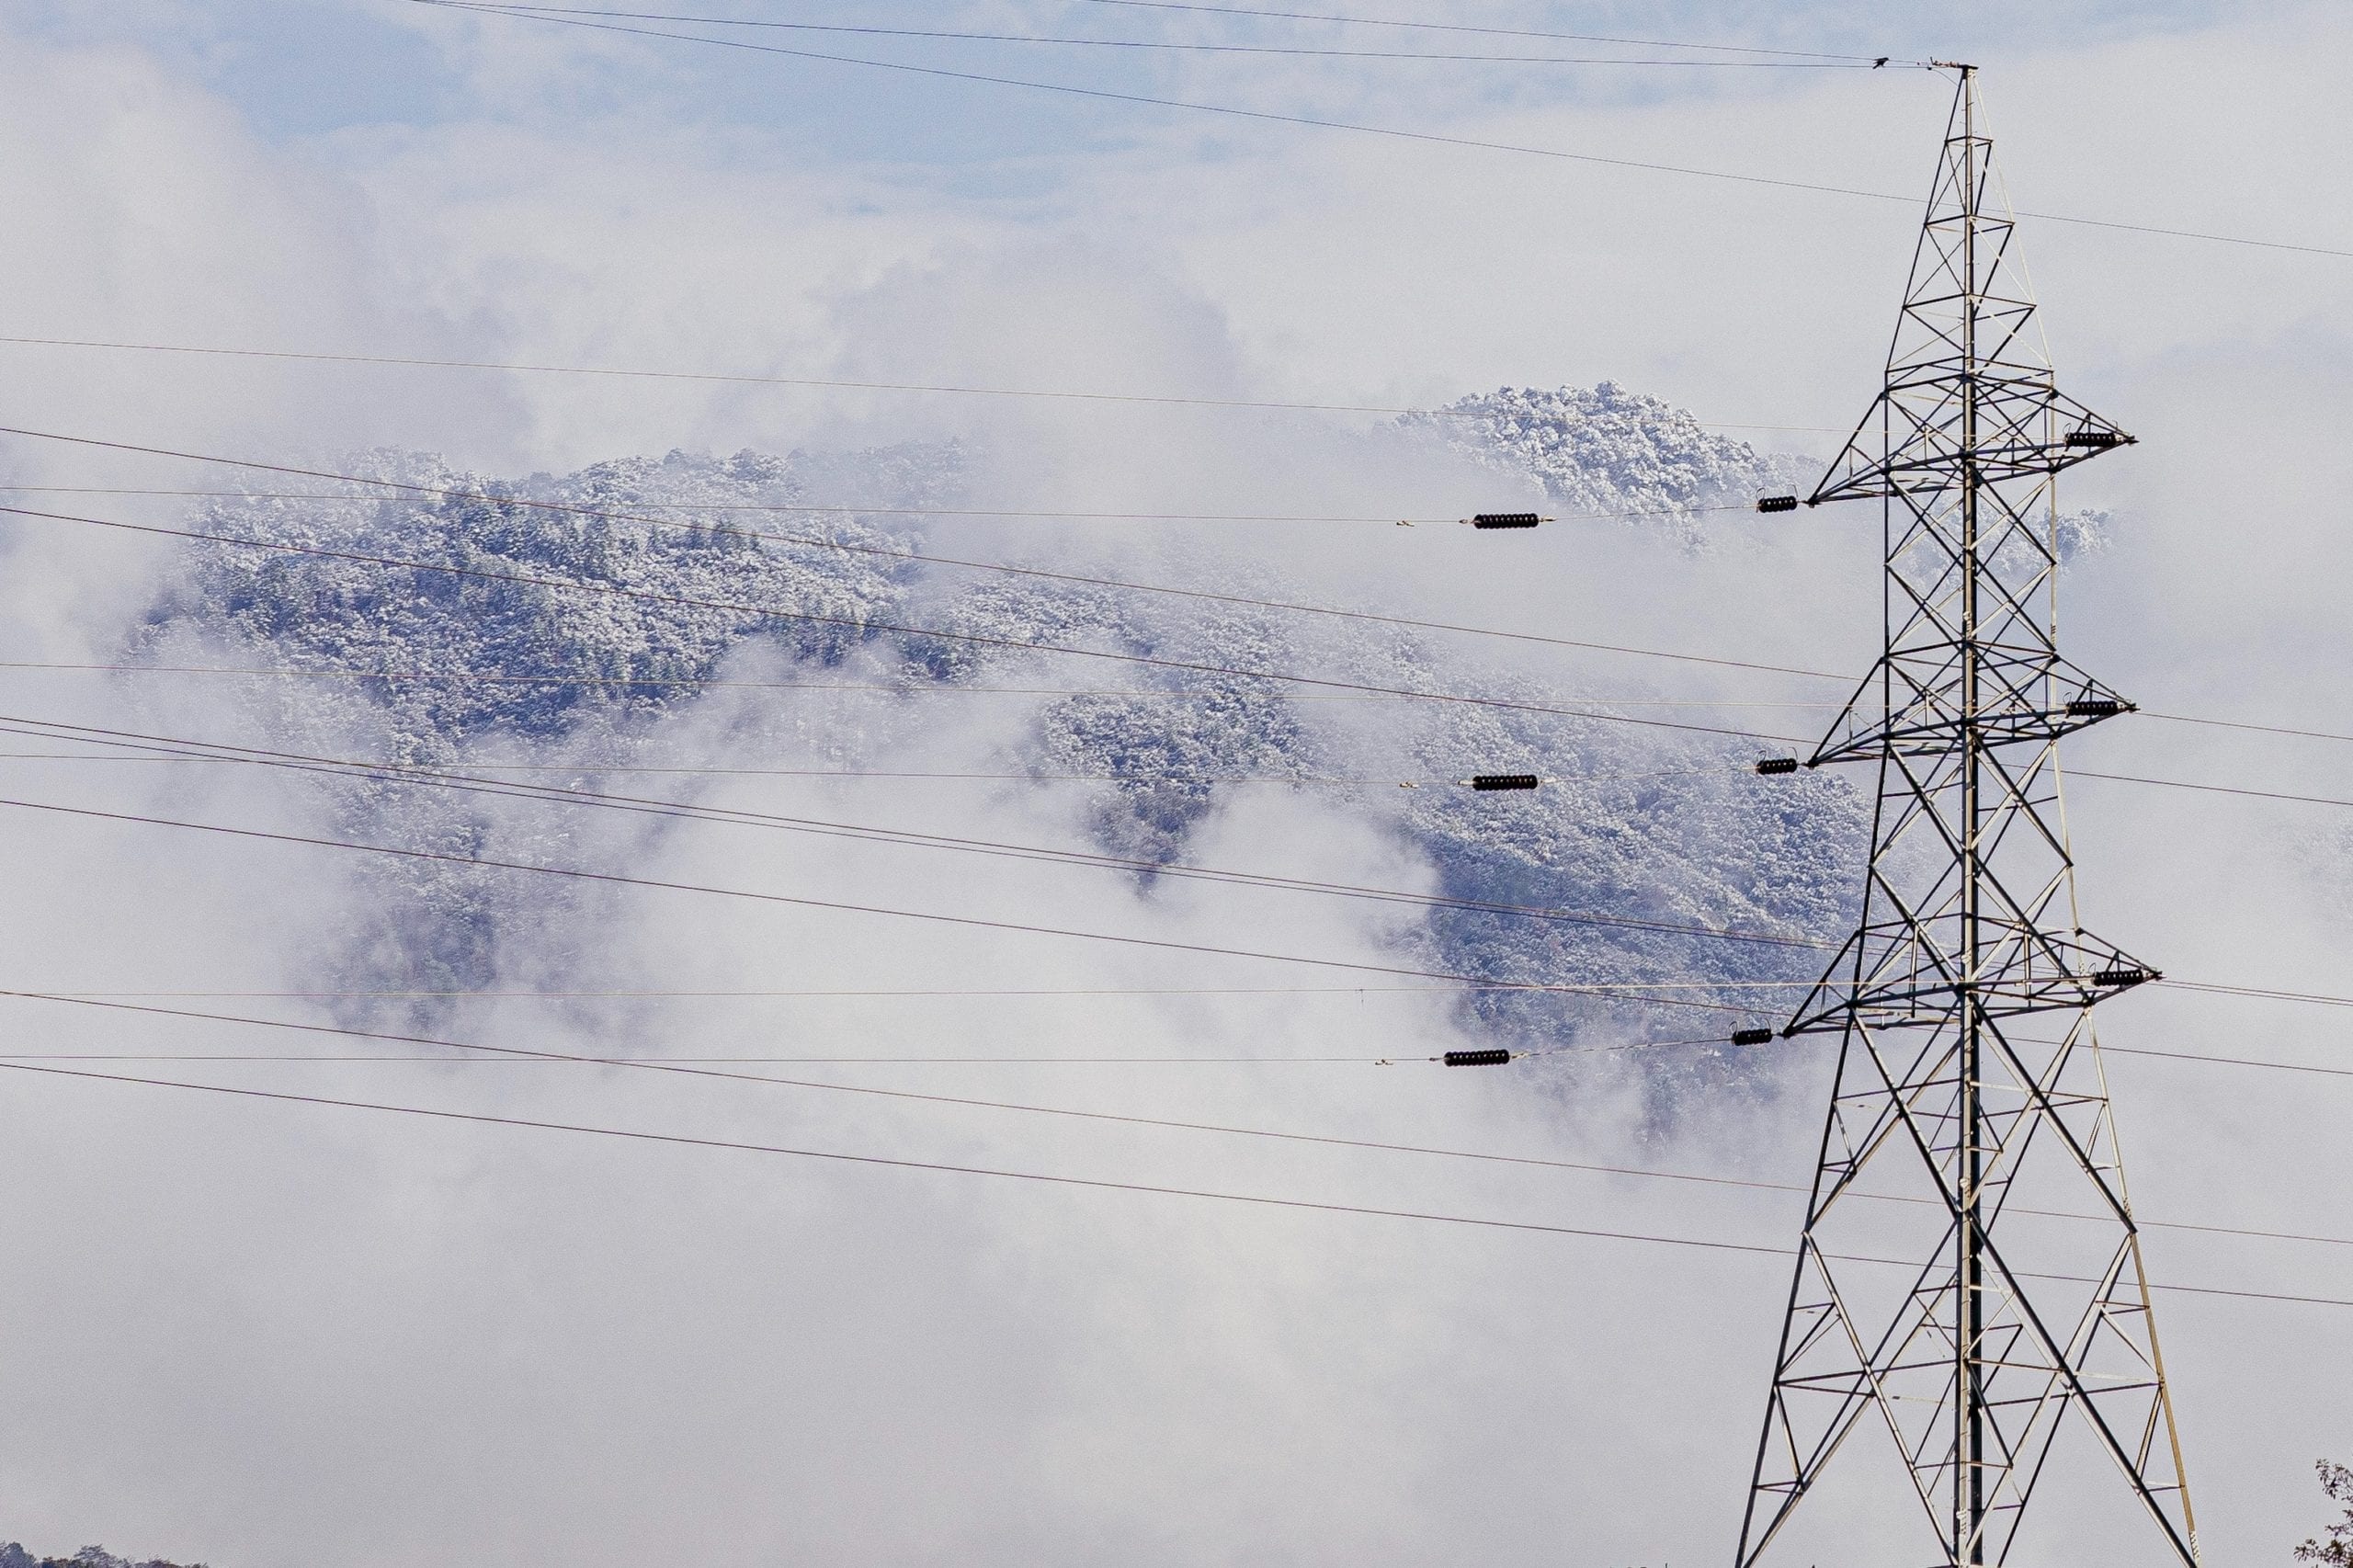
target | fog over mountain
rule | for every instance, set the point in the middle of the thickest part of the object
(820, 676)
(995, 1244)
(776, 662)
(797, 640)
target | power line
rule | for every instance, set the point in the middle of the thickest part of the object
(1088, 994)
(2239, 1061)
(585, 767)
(1434, 138)
(909, 556)
(490, 1055)
(999, 642)
(1099, 1184)
(795, 992)
(1604, 989)
(415, 362)
(708, 1061)
(479, 677)
(2241, 724)
(843, 906)
(688, 1066)
(1076, 1062)
(1226, 109)
(1094, 994)
(864, 626)
(2212, 789)
(561, 795)
(645, 1063)
(1821, 62)
(402, 773)
(822, 541)
(845, 508)
(1496, 32)
(544, 993)
(578, 768)
(906, 837)
(224, 752)
(895, 689)
(2261, 992)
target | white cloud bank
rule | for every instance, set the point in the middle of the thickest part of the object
(278, 1337)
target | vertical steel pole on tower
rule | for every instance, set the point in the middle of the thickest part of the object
(1969, 1471)
(1969, 1363)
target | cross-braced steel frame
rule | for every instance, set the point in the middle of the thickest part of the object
(1974, 1358)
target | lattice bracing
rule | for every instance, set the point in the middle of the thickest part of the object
(1971, 1359)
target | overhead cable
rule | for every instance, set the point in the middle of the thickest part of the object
(907, 556)
(1814, 62)
(822, 541)
(545, 993)
(689, 1068)
(899, 689)
(2259, 992)
(1099, 1184)
(697, 1067)
(2242, 724)
(684, 809)
(615, 878)
(844, 509)
(1259, 12)
(910, 556)
(866, 625)
(773, 1059)
(575, 768)
(919, 558)
(1435, 138)
(1619, 991)
(414, 362)
(2212, 789)
(2242, 1060)
(1233, 111)
(578, 770)
(1091, 993)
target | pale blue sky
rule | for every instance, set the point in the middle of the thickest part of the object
(502, 184)
(300, 68)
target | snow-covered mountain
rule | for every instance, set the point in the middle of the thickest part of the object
(1603, 448)
(503, 661)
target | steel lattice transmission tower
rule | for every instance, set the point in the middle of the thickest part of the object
(2005, 1335)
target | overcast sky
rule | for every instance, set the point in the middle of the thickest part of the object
(278, 1339)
